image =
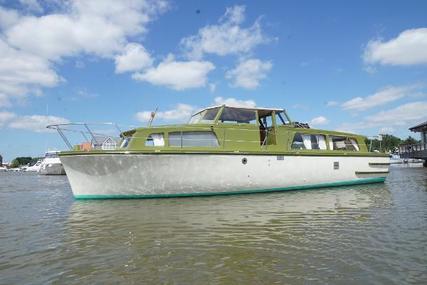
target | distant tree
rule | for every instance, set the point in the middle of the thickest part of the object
(34, 160)
(410, 140)
(19, 161)
(389, 143)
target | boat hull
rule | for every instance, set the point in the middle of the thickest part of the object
(173, 175)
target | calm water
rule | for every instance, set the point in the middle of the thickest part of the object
(372, 234)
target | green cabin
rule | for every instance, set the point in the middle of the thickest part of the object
(227, 129)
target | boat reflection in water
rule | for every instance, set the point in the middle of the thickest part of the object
(188, 238)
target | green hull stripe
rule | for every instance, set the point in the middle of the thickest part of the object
(302, 187)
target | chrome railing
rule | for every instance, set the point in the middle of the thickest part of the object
(94, 135)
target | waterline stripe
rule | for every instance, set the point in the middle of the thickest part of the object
(198, 194)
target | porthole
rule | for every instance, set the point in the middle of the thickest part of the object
(244, 160)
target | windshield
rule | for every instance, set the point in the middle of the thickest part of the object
(281, 118)
(204, 117)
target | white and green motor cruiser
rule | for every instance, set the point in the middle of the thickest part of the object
(222, 150)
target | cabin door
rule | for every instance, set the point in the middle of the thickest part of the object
(267, 129)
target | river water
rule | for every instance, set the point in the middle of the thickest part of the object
(370, 234)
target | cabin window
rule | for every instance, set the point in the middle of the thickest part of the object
(238, 116)
(125, 142)
(343, 143)
(155, 140)
(204, 117)
(318, 142)
(309, 141)
(193, 139)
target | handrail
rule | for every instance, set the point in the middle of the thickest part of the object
(85, 130)
(82, 129)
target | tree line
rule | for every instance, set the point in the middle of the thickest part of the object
(388, 143)
(24, 160)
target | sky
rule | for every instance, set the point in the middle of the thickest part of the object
(356, 66)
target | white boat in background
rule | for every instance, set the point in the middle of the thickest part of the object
(51, 164)
(35, 167)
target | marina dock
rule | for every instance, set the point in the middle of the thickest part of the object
(419, 150)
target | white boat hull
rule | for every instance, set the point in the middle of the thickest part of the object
(173, 175)
(52, 169)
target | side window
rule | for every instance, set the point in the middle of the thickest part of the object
(155, 140)
(354, 144)
(193, 139)
(307, 141)
(318, 142)
(175, 139)
(301, 141)
(343, 143)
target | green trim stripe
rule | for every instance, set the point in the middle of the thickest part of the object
(198, 194)
(371, 172)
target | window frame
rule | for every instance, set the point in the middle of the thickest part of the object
(182, 139)
(150, 136)
(302, 134)
(348, 141)
(255, 120)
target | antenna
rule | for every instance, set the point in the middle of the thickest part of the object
(153, 114)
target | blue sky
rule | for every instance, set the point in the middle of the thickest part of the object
(359, 67)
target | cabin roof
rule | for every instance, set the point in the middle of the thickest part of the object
(419, 128)
(241, 107)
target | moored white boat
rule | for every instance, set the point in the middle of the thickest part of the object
(51, 164)
(223, 150)
(166, 175)
(35, 167)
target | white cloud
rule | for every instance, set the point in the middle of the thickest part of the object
(317, 121)
(227, 37)
(22, 73)
(31, 45)
(212, 87)
(381, 97)
(331, 103)
(96, 27)
(233, 102)
(5, 117)
(299, 106)
(248, 73)
(179, 113)
(178, 75)
(403, 116)
(8, 17)
(35, 123)
(133, 58)
(409, 47)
